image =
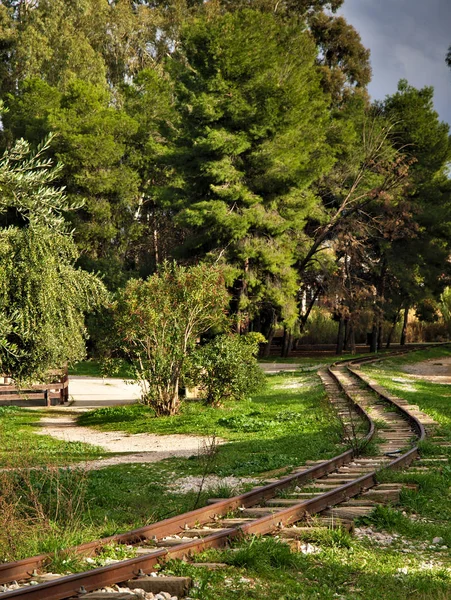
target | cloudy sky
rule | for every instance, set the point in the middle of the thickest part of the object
(408, 39)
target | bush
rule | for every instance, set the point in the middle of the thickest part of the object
(226, 368)
(157, 322)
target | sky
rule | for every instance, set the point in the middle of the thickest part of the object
(409, 40)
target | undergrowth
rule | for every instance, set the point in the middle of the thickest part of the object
(288, 423)
(265, 568)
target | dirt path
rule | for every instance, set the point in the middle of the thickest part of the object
(137, 448)
(434, 370)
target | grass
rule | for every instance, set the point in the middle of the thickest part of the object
(267, 568)
(288, 423)
(94, 368)
(305, 361)
(18, 439)
(432, 398)
(122, 369)
(412, 566)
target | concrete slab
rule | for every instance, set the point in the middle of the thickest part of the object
(95, 392)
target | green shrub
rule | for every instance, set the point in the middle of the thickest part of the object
(226, 368)
(157, 322)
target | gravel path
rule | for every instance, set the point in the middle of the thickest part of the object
(137, 448)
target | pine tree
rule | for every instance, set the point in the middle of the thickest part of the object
(252, 139)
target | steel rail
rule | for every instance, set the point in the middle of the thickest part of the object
(24, 568)
(380, 391)
(105, 576)
(68, 585)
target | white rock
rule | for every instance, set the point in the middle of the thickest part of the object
(437, 540)
(309, 549)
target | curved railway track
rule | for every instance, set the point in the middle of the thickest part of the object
(370, 417)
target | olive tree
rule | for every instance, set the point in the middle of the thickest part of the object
(43, 295)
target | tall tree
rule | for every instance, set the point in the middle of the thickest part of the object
(418, 130)
(344, 61)
(92, 142)
(43, 297)
(252, 139)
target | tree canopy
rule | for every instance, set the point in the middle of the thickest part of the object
(43, 296)
(229, 134)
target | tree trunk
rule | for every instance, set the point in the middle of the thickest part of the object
(287, 342)
(155, 247)
(404, 327)
(379, 336)
(340, 337)
(374, 332)
(304, 318)
(351, 338)
(346, 334)
(168, 403)
(392, 330)
(269, 337)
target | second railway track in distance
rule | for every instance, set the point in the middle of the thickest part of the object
(371, 418)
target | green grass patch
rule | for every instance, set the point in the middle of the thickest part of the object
(424, 513)
(431, 397)
(307, 361)
(21, 446)
(94, 368)
(266, 568)
(288, 423)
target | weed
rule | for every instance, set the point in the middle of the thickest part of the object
(207, 457)
(261, 554)
(40, 509)
(383, 517)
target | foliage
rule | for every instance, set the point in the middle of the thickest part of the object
(286, 423)
(226, 367)
(252, 140)
(236, 131)
(43, 296)
(158, 322)
(91, 142)
(445, 306)
(345, 62)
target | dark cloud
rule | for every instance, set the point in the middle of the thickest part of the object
(408, 39)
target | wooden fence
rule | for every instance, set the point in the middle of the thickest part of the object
(39, 394)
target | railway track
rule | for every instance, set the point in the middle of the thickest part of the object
(371, 419)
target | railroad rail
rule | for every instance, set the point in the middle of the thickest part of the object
(314, 488)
